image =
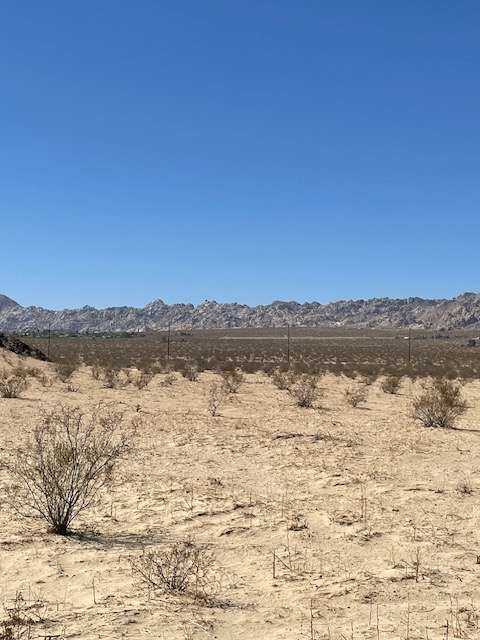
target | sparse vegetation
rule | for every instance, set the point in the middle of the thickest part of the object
(232, 380)
(11, 385)
(189, 371)
(184, 568)
(304, 390)
(65, 370)
(282, 379)
(66, 462)
(439, 404)
(216, 397)
(355, 395)
(391, 384)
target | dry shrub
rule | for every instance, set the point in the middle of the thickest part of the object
(64, 464)
(190, 371)
(21, 616)
(143, 379)
(355, 395)
(111, 378)
(368, 378)
(439, 404)
(391, 384)
(11, 386)
(304, 389)
(216, 396)
(183, 568)
(282, 379)
(168, 380)
(232, 380)
(96, 371)
(65, 370)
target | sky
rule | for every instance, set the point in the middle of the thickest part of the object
(238, 150)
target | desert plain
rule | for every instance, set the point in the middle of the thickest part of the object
(330, 522)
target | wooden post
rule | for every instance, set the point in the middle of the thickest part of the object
(409, 346)
(49, 339)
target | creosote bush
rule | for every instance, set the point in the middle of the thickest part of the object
(391, 384)
(182, 568)
(68, 459)
(355, 395)
(304, 389)
(143, 379)
(232, 380)
(216, 396)
(282, 379)
(190, 371)
(111, 377)
(439, 404)
(11, 385)
(169, 380)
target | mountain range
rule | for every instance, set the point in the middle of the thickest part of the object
(462, 312)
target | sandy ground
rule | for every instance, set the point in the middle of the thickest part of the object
(351, 503)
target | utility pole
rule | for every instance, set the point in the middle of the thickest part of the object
(409, 346)
(288, 345)
(168, 342)
(49, 339)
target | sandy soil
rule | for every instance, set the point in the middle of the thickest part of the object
(364, 510)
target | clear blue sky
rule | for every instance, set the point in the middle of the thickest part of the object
(249, 150)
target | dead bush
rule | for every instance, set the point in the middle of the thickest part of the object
(355, 395)
(216, 396)
(11, 386)
(112, 378)
(391, 384)
(282, 379)
(439, 404)
(143, 379)
(182, 568)
(168, 380)
(190, 371)
(304, 390)
(232, 380)
(64, 464)
(96, 371)
(21, 615)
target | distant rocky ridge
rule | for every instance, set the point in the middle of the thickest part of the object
(462, 312)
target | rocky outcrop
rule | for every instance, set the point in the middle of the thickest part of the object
(20, 348)
(462, 312)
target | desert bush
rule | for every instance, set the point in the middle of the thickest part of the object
(368, 378)
(355, 395)
(439, 404)
(182, 568)
(45, 381)
(282, 379)
(189, 371)
(111, 377)
(391, 384)
(65, 370)
(21, 615)
(66, 462)
(216, 396)
(11, 386)
(143, 379)
(169, 379)
(20, 371)
(304, 390)
(232, 380)
(96, 371)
